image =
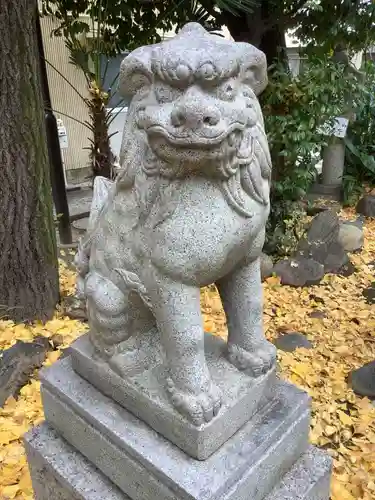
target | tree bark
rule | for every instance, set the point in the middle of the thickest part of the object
(29, 286)
(263, 28)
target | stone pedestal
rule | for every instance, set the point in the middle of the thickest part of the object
(333, 163)
(91, 447)
(332, 170)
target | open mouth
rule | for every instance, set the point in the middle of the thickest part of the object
(193, 140)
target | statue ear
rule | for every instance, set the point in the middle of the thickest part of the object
(135, 73)
(254, 68)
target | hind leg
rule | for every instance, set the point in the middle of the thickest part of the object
(114, 315)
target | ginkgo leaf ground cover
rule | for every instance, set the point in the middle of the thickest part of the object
(343, 338)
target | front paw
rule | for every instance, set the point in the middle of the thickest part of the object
(257, 361)
(198, 408)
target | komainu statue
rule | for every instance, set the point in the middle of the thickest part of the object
(188, 209)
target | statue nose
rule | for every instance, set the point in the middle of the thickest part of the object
(194, 116)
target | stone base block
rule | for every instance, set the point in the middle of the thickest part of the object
(142, 392)
(61, 473)
(144, 465)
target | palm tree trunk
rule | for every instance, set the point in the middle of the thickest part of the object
(101, 156)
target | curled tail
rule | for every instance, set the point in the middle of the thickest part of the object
(103, 189)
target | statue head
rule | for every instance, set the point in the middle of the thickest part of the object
(195, 97)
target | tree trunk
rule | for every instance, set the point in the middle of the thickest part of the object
(101, 156)
(29, 287)
(262, 28)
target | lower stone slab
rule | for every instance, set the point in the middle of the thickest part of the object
(309, 478)
(61, 473)
(141, 391)
(145, 466)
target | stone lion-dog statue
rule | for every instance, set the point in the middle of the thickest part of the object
(188, 209)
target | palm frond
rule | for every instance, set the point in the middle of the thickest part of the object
(78, 56)
(236, 7)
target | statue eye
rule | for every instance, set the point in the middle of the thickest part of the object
(165, 93)
(227, 91)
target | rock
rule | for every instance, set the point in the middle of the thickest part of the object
(321, 243)
(18, 363)
(318, 314)
(299, 272)
(351, 237)
(347, 269)
(79, 314)
(75, 308)
(366, 206)
(291, 341)
(362, 380)
(266, 266)
(317, 203)
(358, 222)
(369, 293)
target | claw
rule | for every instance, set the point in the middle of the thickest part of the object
(256, 362)
(200, 408)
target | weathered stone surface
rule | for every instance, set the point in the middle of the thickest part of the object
(358, 222)
(266, 266)
(79, 202)
(61, 473)
(309, 479)
(333, 162)
(188, 208)
(18, 363)
(289, 342)
(146, 466)
(322, 242)
(363, 380)
(299, 271)
(350, 237)
(141, 392)
(366, 205)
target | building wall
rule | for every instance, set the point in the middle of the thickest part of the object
(65, 101)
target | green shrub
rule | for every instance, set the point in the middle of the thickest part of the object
(360, 143)
(295, 108)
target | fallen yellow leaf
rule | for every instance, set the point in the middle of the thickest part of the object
(10, 491)
(344, 418)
